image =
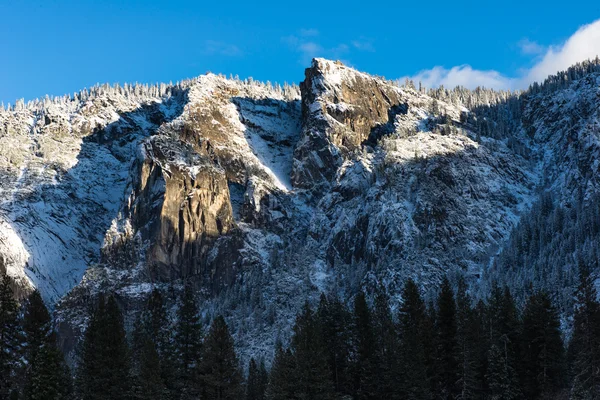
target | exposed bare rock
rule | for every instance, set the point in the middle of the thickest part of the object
(341, 110)
(180, 204)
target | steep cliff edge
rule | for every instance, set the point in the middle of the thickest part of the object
(179, 204)
(64, 167)
(341, 108)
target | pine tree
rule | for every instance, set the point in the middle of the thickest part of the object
(412, 324)
(10, 339)
(90, 354)
(156, 326)
(386, 333)
(37, 325)
(263, 379)
(255, 384)
(366, 362)
(428, 338)
(150, 379)
(220, 366)
(282, 378)
(47, 375)
(503, 329)
(312, 373)
(334, 320)
(116, 351)
(482, 345)
(252, 385)
(469, 342)
(446, 344)
(104, 366)
(501, 379)
(543, 352)
(188, 345)
(584, 349)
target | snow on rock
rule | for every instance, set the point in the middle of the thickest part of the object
(263, 197)
(64, 168)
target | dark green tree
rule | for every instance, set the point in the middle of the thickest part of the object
(149, 378)
(446, 343)
(104, 366)
(501, 380)
(468, 337)
(542, 349)
(154, 325)
(414, 379)
(37, 325)
(366, 377)
(263, 378)
(584, 348)
(157, 322)
(116, 351)
(10, 339)
(220, 366)
(388, 348)
(47, 375)
(282, 378)
(312, 373)
(503, 329)
(188, 345)
(429, 338)
(334, 320)
(256, 382)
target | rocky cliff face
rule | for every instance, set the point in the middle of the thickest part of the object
(180, 205)
(63, 168)
(342, 110)
(265, 197)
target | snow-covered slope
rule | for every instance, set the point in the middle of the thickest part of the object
(265, 197)
(64, 167)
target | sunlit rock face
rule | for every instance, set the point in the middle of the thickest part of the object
(342, 109)
(180, 204)
(64, 167)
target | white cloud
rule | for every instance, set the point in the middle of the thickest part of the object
(463, 75)
(582, 45)
(214, 47)
(529, 47)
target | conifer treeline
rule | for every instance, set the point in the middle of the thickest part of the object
(140, 91)
(452, 348)
(161, 361)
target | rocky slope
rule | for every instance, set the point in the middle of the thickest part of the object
(265, 197)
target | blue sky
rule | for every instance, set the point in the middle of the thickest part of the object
(58, 47)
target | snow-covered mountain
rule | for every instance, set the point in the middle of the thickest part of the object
(264, 196)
